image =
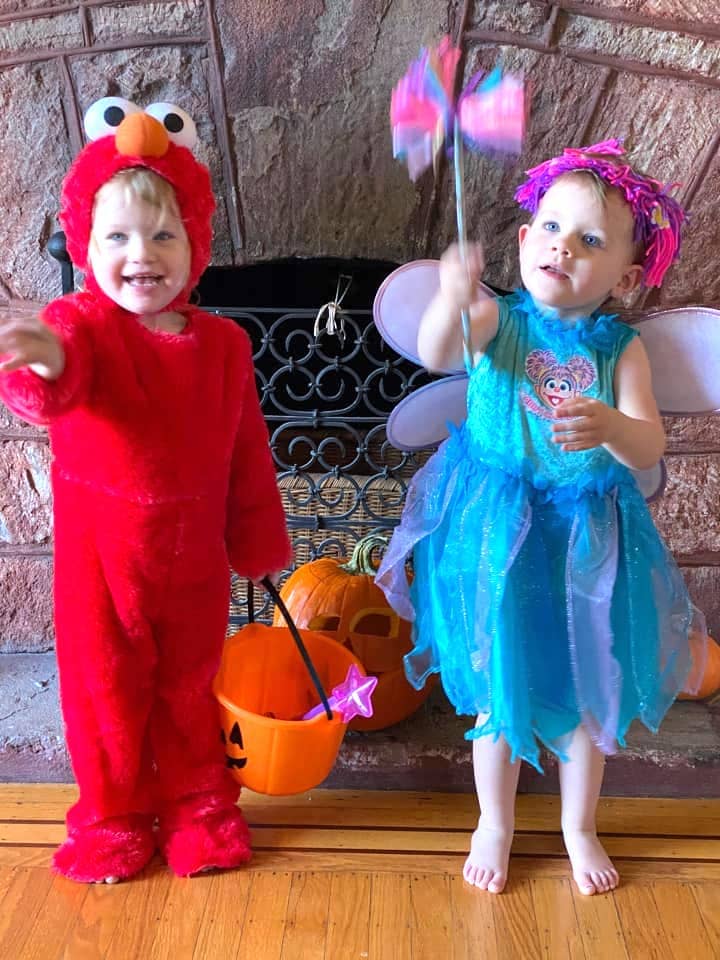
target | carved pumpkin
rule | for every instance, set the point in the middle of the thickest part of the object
(710, 682)
(340, 598)
(263, 688)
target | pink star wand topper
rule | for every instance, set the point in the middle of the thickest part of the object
(488, 116)
(350, 698)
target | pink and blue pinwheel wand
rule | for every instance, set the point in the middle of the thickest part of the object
(350, 698)
(487, 116)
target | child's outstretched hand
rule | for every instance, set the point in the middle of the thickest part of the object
(584, 423)
(25, 341)
(459, 278)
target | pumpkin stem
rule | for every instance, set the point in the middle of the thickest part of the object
(360, 563)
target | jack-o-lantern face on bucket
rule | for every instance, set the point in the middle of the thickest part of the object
(341, 598)
(234, 738)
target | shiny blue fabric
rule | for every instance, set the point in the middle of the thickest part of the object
(543, 594)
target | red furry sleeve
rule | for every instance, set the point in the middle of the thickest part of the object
(256, 533)
(40, 401)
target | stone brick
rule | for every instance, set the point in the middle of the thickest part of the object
(12, 424)
(63, 31)
(521, 18)
(25, 497)
(696, 278)
(700, 12)
(32, 746)
(693, 431)
(293, 55)
(660, 48)
(26, 6)
(297, 209)
(26, 607)
(149, 75)
(34, 153)
(687, 514)
(704, 586)
(162, 18)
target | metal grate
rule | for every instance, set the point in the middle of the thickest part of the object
(326, 403)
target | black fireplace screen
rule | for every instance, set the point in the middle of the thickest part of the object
(325, 398)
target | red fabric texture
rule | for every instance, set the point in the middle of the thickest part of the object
(162, 474)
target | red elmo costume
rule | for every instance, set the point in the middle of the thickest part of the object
(161, 475)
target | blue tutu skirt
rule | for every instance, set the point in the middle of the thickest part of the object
(541, 609)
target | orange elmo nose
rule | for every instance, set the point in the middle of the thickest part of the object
(140, 135)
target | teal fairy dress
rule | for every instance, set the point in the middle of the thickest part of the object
(543, 594)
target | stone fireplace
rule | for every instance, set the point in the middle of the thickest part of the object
(291, 102)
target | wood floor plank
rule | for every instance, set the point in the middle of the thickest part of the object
(681, 921)
(599, 926)
(515, 922)
(707, 897)
(349, 915)
(390, 934)
(137, 927)
(54, 921)
(222, 925)
(7, 876)
(557, 925)
(307, 917)
(431, 932)
(473, 922)
(101, 911)
(411, 841)
(266, 911)
(641, 924)
(25, 897)
(269, 861)
(14, 857)
(182, 916)
(90, 935)
(628, 815)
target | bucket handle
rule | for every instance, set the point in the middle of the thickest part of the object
(275, 594)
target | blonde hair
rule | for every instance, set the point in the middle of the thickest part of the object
(139, 183)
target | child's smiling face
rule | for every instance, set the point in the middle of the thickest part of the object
(139, 253)
(578, 251)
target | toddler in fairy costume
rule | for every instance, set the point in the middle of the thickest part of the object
(543, 593)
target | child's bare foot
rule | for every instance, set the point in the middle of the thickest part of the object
(593, 871)
(487, 864)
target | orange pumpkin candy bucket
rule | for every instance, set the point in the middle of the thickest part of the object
(264, 691)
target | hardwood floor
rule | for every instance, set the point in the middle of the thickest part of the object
(373, 876)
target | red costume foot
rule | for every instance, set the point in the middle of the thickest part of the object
(220, 839)
(117, 847)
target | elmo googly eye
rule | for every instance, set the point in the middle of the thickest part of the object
(178, 124)
(104, 116)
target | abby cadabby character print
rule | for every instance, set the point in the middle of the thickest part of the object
(554, 381)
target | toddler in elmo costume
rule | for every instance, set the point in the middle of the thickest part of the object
(162, 474)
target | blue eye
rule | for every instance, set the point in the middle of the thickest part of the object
(591, 240)
(551, 226)
(163, 235)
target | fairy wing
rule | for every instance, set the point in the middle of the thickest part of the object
(421, 419)
(683, 345)
(401, 301)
